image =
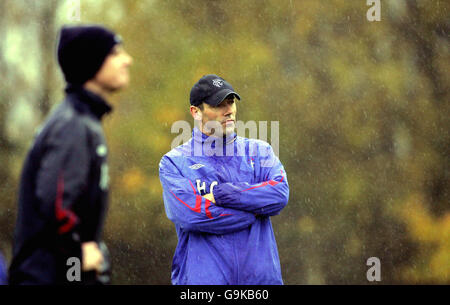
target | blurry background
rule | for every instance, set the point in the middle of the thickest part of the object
(363, 110)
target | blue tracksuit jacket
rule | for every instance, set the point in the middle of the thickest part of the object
(231, 241)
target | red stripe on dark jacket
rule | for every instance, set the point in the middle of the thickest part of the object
(60, 212)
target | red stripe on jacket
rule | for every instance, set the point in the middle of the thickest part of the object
(62, 213)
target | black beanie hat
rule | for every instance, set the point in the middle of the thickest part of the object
(82, 51)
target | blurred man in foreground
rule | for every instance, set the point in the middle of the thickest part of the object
(64, 184)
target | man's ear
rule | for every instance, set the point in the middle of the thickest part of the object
(196, 113)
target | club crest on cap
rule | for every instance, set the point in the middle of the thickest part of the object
(217, 82)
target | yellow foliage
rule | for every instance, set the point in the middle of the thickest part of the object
(433, 235)
(133, 180)
(353, 245)
(169, 115)
(306, 224)
(352, 188)
(159, 142)
(199, 72)
(155, 186)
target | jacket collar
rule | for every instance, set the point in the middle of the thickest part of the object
(200, 137)
(82, 98)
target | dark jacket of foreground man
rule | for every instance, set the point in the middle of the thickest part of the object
(63, 193)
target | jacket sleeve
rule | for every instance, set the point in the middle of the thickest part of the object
(189, 210)
(267, 197)
(63, 174)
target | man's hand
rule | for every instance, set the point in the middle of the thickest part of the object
(92, 256)
(210, 197)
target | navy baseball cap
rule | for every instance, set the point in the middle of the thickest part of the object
(211, 89)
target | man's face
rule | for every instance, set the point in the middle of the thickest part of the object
(113, 74)
(224, 114)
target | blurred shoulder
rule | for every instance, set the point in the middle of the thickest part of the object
(63, 122)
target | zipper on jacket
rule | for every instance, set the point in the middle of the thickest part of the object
(224, 167)
(236, 275)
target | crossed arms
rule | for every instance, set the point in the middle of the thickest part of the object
(231, 207)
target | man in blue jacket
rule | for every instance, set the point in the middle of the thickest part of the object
(220, 190)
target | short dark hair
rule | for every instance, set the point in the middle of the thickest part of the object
(202, 105)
